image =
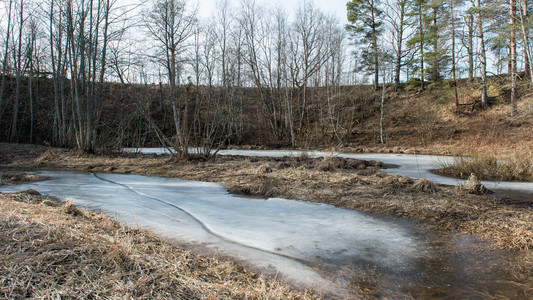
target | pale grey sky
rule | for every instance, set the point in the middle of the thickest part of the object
(336, 7)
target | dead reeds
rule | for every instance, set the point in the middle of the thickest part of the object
(7, 178)
(514, 166)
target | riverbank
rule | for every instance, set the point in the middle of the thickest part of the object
(53, 250)
(352, 184)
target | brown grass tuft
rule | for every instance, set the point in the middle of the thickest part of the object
(264, 169)
(424, 185)
(514, 166)
(395, 181)
(326, 165)
(70, 208)
(17, 178)
(31, 192)
(47, 155)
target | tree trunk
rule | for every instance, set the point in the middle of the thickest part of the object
(525, 32)
(484, 98)
(6, 55)
(452, 15)
(399, 45)
(382, 113)
(528, 71)
(512, 44)
(375, 46)
(470, 47)
(421, 33)
(18, 67)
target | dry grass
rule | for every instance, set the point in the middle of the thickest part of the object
(7, 178)
(514, 166)
(429, 121)
(60, 251)
(47, 155)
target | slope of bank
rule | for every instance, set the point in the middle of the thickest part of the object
(430, 120)
(414, 120)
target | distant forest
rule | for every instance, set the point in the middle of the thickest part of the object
(101, 74)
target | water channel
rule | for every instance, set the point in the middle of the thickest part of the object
(335, 251)
(410, 165)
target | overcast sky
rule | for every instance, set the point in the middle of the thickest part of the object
(336, 7)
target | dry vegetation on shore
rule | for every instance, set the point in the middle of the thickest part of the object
(514, 166)
(341, 182)
(51, 251)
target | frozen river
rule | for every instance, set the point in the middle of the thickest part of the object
(410, 165)
(332, 250)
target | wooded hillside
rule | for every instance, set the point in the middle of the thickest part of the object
(96, 74)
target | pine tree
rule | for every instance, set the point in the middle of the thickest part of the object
(417, 11)
(366, 27)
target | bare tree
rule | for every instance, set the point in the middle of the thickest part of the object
(32, 58)
(87, 40)
(454, 62)
(467, 38)
(19, 69)
(333, 68)
(480, 18)
(5, 60)
(120, 67)
(58, 59)
(308, 50)
(171, 25)
(396, 17)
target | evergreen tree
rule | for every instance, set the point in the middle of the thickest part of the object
(436, 24)
(417, 11)
(366, 27)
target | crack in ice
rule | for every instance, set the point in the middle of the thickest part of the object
(202, 224)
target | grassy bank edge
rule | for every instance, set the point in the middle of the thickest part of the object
(516, 165)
